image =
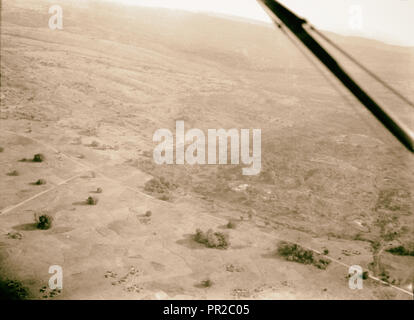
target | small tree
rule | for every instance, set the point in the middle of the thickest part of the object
(231, 225)
(92, 201)
(206, 283)
(401, 251)
(43, 221)
(40, 182)
(38, 157)
(296, 253)
(212, 239)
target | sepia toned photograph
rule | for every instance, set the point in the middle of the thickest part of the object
(226, 150)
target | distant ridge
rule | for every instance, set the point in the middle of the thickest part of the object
(239, 19)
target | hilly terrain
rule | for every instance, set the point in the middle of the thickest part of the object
(89, 98)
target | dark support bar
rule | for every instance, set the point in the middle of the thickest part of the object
(295, 24)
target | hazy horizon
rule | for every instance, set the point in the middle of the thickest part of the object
(375, 14)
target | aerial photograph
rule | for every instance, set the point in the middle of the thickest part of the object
(206, 150)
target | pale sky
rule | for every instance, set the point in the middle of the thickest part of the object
(391, 21)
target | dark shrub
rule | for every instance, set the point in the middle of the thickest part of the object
(15, 235)
(296, 253)
(1, 149)
(159, 185)
(321, 263)
(43, 221)
(231, 225)
(40, 182)
(384, 276)
(148, 213)
(160, 188)
(38, 157)
(365, 275)
(13, 173)
(206, 283)
(12, 290)
(212, 239)
(99, 190)
(401, 251)
(92, 201)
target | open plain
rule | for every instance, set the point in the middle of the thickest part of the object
(89, 98)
